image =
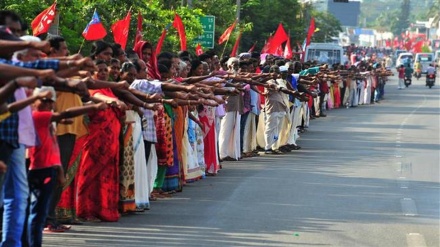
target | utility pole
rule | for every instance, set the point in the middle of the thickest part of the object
(238, 10)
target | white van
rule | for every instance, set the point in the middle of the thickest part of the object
(329, 53)
(437, 56)
(425, 59)
(403, 57)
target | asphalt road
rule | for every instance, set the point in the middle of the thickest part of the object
(366, 176)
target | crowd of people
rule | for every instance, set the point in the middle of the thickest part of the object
(88, 139)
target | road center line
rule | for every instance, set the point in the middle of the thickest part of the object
(415, 240)
(408, 207)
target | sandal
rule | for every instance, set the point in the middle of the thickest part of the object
(52, 228)
(139, 210)
(92, 219)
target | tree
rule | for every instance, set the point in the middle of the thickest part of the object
(265, 16)
(403, 18)
(434, 13)
(75, 14)
(328, 26)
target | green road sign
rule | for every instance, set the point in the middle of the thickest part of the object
(206, 40)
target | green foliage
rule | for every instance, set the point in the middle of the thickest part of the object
(259, 19)
(426, 48)
(265, 15)
(328, 26)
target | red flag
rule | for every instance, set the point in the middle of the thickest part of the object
(252, 48)
(138, 29)
(199, 50)
(120, 30)
(396, 42)
(227, 33)
(278, 38)
(417, 48)
(279, 51)
(178, 24)
(41, 23)
(288, 50)
(161, 39)
(311, 31)
(266, 45)
(94, 30)
(237, 43)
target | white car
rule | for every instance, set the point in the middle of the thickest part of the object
(404, 57)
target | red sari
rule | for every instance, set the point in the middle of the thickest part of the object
(98, 175)
(207, 117)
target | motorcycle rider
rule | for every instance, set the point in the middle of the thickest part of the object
(430, 71)
(418, 68)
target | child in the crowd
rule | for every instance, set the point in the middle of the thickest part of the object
(45, 170)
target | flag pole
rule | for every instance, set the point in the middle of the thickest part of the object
(81, 46)
(224, 48)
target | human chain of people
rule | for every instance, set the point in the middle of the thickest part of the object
(93, 138)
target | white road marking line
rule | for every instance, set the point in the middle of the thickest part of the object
(415, 240)
(408, 207)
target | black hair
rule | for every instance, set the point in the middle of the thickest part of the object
(162, 68)
(126, 66)
(98, 47)
(280, 62)
(224, 60)
(194, 65)
(166, 62)
(136, 64)
(99, 61)
(116, 48)
(186, 59)
(182, 54)
(243, 63)
(8, 14)
(132, 54)
(114, 60)
(255, 54)
(166, 55)
(55, 41)
(204, 56)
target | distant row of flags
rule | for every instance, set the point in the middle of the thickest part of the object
(95, 30)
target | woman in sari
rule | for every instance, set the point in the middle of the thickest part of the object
(140, 176)
(98, 175)
(206, 134)
(127, 161)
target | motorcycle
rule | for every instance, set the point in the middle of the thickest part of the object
(407, 81)
(418, 74)
(430, 80)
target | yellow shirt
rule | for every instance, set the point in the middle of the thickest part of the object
(64, 101)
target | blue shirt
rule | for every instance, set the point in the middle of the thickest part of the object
(9, 127)
(38, 64)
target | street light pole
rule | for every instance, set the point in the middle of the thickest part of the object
(238, 10)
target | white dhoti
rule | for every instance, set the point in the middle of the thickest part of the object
(273, 124)
(141, 192)
(229, 136)
(152, 168)
(250, 134)
(260, 130)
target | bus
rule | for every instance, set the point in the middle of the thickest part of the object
(329, 53)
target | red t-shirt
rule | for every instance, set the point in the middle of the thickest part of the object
(47, 154)
(401, 72)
